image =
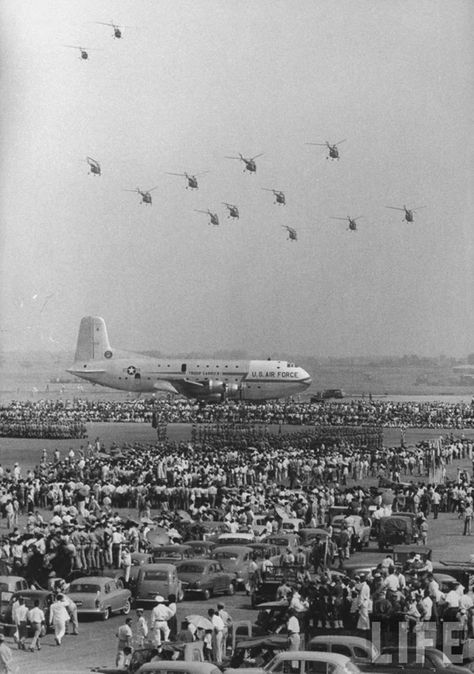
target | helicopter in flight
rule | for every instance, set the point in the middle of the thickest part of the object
(117, 29)
(279, 196)
(214, 219)
(145, 194)
(409, 212)
(333, 149)
(191, 179)
(292, 234)
(352, 222)
(94, 166)
(250, 164)
(233, 210)
(84, 51)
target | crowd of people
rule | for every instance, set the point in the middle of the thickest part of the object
(67, 418)
(90, 509)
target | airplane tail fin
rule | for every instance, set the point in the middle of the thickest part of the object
(92, 341)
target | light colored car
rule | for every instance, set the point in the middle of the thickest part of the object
(178, 666)
(9, 585)
(156, 579)
(235, 560)
(239, 538)
(102, 596)
(303, 662)
(357, 648)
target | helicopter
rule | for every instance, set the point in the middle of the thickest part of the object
(84, 51)
(333, 150)
(94, 166)
(214, 219)
(191, 179)
(409, 217)
(279, 196)
(117, 29)
(233, 210)
(352, 222)
(145, 195)
(292, 234)
(250, 164)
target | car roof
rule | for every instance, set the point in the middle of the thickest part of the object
(32, 593)
(170, 665)
(232, 548)
(172, 548)
(99, 580)
(157, 566)
(10, 579)
(341, 639)
(335, 658)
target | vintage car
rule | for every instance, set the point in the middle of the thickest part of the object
(190, 652)
(403, 553)
(201, 548)
(239, 538)
(205, 577)
(360, 532)
(266, 589)
(283, 541)
(9, 585)
(235, 560)
(171, 554)
(249, 651)
(395, 530)
(156, 579)
(263, 550)
(291, 524)
(44, 597)
(357, 648)
(99, 595)
(413, 661)
(303, 662)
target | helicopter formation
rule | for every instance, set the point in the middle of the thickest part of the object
(249, 166)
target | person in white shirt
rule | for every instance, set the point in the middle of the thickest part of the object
(20, 617)
(58, 617)
(218, 633)
(159, 621)
(36, 618)
(294, 637)
(124, 636)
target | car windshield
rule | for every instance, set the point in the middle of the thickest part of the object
(84, 587)
(168, 554)
(3, 587)
(191, 568)
(222, 554)
(155, 575)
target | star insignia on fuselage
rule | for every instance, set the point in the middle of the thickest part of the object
(131, 369)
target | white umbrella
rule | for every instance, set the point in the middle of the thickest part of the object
(200, 622)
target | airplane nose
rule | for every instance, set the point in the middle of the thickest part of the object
(305, 378)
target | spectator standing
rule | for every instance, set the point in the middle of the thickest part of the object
(36, 618)
(58, 617)
(124, 636)
(6, 657)
(141, 629)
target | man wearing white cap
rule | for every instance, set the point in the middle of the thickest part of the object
(159, 621)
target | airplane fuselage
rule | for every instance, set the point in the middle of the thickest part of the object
(203, 378)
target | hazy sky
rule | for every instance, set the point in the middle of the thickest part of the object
(191, 82)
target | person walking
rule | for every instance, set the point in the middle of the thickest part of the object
(159, 621)
(218, 634)
(124, 636)
(141, 628)
(58, 617)
(37, 620)
(20, 619)
(468, 514)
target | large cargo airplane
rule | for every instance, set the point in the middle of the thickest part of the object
(203, 379)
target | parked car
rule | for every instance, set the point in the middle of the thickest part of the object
(205, 576)
(9, 585)
(247, 650)
(156, 579)
(303, 662)
(283, 541)
(235, 560)
(239, 538)
(201, 548)
(309, 535)
(44, 597)
(190, 652)
(171, 554)
(102, 596)
(357, 648)
(360, 532)
(413, 661)
(396, 529)
(262, 550)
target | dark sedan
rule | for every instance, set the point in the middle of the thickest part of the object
(204, 576)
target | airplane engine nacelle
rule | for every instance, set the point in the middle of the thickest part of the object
(215, 386)
(233, 391)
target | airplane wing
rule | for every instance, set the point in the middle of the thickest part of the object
(181, 385)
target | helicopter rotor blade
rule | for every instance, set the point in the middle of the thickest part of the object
(227, 157)
(395, 208)
(168, 173)
(417, 208)
(339, 142)
(151, 190)
(358, 218)
(321, 144)
(257, 156)
(334, 218)
(201, 173)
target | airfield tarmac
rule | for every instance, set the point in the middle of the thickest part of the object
(96, 643)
